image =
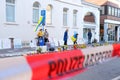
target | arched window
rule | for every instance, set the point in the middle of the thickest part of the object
(65, 16)
(36, 7)
(74, 18)
(10, 10)
(49, 14)
(89, 17)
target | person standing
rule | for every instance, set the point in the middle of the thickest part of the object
(40, 34)
(40, 37)
(46, 35)
(75, 36)
(89, 36)
(65, 37)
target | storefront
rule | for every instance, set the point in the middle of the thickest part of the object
(112, 31)
(91, 23)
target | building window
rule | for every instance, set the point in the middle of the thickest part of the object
(89, 14)
(85, 30)
(36, 11)
(102, 11)
(111, 32)
(49, 14)
(10, 10)
(74, 18)
(113, 11)
(116, 11)
(65, 16)
(109, 10)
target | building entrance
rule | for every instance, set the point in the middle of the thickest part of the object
(113, 33)
(85, 32)
(116, 33)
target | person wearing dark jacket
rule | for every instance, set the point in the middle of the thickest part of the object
(46, 35)
(65, 37)
(89, 36)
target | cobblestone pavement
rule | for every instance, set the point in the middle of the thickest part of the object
(105, 71)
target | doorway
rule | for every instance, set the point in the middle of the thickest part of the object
(85, 32)
(116, 33)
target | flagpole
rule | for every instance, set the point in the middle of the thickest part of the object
(43, 27)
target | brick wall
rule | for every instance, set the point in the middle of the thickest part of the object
(102, 19)
(91, 18)
(113, 18)
(108, 17)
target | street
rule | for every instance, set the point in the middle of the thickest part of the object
(108, 70)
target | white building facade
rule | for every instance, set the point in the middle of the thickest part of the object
(18, 18)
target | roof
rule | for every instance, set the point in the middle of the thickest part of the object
(90, 4)
(115, 3)
(97, 2)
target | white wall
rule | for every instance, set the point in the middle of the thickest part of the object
(20, 28)
(23, 28)
(58, 17)
(96, 14)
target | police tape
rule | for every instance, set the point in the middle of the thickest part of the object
(41, 67)
(50, 66)
(116, 50)
(56, 64)
(97, 55)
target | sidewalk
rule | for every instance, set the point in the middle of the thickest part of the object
(20, 51)
(15, 52)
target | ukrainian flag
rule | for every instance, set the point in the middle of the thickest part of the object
(40, 21)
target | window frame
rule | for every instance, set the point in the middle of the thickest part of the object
(13, 5)
(75, 18)
(49, 17)
(116, 12)
(102, 10)
(110, 10)
(113, 11)
(119, 12)
(35, 8)
(65, 16)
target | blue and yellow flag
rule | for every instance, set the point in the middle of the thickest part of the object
(39, 23)
(41, 20)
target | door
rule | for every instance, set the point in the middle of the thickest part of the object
(93, 34)
(111, 34)
(85, 32)
(116, 33)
